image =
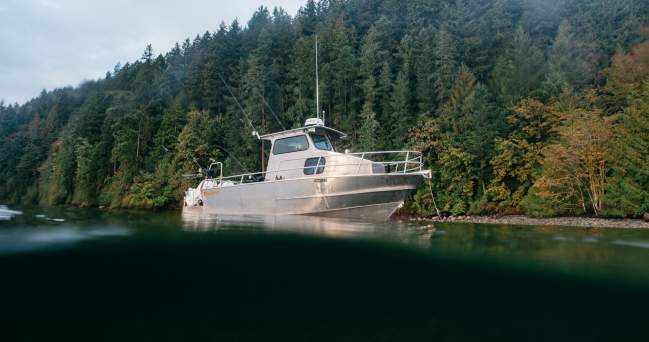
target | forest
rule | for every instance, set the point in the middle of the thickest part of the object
(520, 106)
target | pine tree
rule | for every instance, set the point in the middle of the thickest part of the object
(469, 121)
(384, 90)
(387, 68)
(519, 71)
(367, 135)
(339, 89)
(401, 117)
(147, 55)
(301, 82)
(626, 95)
(571, 61)
(192, 149)
(420, 52)
(307, 17)
(85, 174)
(445, 64)
(253, 93)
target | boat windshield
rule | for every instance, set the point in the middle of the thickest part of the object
(321, 142)
(291, 144)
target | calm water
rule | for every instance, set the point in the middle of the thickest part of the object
(71, 274)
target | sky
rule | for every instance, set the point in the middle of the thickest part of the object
(47, 44)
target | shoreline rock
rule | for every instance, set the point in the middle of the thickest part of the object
(521, 220)
(646, 217)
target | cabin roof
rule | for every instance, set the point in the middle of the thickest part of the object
(332, 132)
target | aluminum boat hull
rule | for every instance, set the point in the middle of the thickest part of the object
(374, 197)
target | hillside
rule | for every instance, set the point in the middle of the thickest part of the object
(520, 105)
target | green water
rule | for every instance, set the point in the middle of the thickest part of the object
(91, 275)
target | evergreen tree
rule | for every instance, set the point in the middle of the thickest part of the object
(519, 71)
(339, 91)
(571, 61)
(517, 158)
(367, 135)
(401, 117)
(626, 95)
(445, 64)
(423, 55)
(388, 69)
(192, 149)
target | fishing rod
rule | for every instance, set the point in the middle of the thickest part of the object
(254, 130)
(272, 112)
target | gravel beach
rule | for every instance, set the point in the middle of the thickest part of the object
(554, 221)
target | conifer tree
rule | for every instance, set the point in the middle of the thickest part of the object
(388, 69)
(519, 71)
(445, 64)
(367, 135)
(401, 117)
(571, 61)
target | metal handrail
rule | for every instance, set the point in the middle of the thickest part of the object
(417, 160)
(382, 152)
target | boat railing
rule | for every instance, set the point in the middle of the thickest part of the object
(411, 157)
(412, 161)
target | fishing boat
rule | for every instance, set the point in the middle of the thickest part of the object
(305, 175)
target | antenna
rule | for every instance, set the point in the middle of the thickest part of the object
(317, 80)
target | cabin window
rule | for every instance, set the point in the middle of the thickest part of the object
(314, 166)
(292, 144)
(321, 142)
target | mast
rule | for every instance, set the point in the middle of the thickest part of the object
(317, 81)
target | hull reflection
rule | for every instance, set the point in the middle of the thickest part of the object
(199, 220)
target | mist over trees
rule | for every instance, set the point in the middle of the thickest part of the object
(519, 105)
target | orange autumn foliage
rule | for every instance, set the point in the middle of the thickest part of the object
(575, 166)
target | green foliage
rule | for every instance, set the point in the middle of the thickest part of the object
(462, 137)
(627, 192)
(571, 62)
(517, 158)
(367, 135)
(400, 109)
(85, 184)
(56, 179)
(440, 76)
(458, 181)
(519, 71)
(575, 165)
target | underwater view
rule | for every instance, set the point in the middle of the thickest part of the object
(84, 274)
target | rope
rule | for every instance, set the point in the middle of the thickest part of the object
(432, 195)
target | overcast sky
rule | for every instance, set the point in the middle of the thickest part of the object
(55, 43)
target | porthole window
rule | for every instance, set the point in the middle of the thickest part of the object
(313, 166)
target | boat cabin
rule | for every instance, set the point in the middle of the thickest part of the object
(309, 151)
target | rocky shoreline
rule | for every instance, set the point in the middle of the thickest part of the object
(588, 222)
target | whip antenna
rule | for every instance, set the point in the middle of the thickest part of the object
(317, 81)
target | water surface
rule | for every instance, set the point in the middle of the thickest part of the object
(104, 275)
